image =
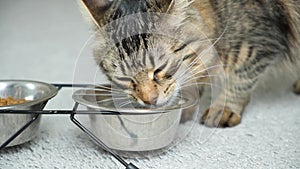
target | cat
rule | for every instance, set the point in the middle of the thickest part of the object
(249, 37)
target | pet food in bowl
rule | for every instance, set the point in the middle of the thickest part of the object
(135, 129)
(11, 101)
(16, 92)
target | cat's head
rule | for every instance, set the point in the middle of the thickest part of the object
(148, 65)
(150, 75)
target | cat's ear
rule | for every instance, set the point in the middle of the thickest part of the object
(98, 9)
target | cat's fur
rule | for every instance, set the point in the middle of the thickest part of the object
(249, 37)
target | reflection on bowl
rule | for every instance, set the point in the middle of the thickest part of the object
(136, 129)
(36, 95)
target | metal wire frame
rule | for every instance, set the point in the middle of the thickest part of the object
(72, 114)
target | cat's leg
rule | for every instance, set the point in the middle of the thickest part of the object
(242, 74)
(297, 87)
(227, 108)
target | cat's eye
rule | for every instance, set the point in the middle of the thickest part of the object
(133, 85)
(168, 76)
(159, 75)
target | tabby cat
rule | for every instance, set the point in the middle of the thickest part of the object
(248, 37)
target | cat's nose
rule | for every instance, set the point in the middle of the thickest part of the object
(150, 98)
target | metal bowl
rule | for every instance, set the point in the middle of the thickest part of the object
(37, 94)
(136, 129)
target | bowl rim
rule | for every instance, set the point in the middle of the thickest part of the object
(53, 92)
(190, 100)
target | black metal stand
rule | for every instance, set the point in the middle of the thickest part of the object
(98, 141)
(72, 114)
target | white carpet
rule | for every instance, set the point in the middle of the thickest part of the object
(40, 40)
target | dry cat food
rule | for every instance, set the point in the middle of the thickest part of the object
(11, 101)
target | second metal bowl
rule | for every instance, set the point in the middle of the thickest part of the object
(136, 129)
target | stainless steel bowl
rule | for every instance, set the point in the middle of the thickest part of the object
(37, 94)
(137, 129)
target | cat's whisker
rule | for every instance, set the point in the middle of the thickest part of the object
(199, 56)
(179, 96)
(104, 90)
(207, 39)
(196, 60)
(98, 89)
(188, 79)
(124, 104)
(208, 68)
(190, 66)
(183, 80)
(194, 79)
(198, 83)
(112, 99)
(183, 77)
(194, 82)
(93, 94)
(105, 100)
(200, 71)
(110, 89)
(103, 86)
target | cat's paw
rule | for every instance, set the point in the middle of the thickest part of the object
(297, 87)
(219, 117)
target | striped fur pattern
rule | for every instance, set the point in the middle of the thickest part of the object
(151, 67)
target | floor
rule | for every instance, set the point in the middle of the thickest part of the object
(43, 40)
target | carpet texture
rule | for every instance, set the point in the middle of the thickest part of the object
(42, 40)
